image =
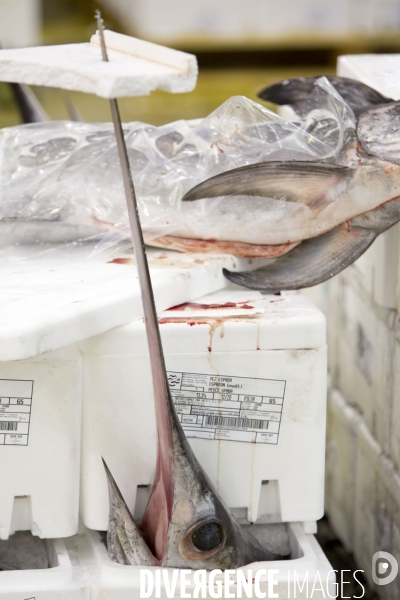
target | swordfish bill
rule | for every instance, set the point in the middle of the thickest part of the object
(185, 524)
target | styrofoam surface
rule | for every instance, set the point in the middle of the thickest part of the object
(363, 491)
(230, 19)
(40, 460)
(379, 71)
(379, 267)
(52, 301)
(341, 452)
(111, 581)
(135, 67)
(365, 357)
(395, 433)
(280, 338)
(20, 23)
(202, 18)
(377, 523)
(65, 579)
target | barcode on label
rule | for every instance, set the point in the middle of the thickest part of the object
(8, 426)
(236, 423)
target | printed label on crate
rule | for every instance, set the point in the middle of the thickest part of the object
(15, 411)
(224, 407)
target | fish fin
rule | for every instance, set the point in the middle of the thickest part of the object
(296, 91)
(288, 91)
(125, 543)
(29, 106)
(381, 218)
(304, 182)
(312, 262)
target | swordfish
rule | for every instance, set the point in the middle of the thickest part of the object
(185, 523)
(333, 213)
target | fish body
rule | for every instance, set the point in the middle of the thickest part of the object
(288, 202)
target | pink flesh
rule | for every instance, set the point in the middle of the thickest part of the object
(159, 508)
(198, 306)
(220, 247)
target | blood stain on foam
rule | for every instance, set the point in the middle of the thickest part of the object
(121, 261)
(199, 306)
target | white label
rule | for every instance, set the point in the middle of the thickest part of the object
(223, 407)
(15, 411)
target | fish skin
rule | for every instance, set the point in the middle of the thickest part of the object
(378, 131)
(317, 260)
(296, 93)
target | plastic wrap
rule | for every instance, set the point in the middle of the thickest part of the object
(61, 181)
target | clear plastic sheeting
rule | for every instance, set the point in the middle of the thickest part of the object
(61, 181)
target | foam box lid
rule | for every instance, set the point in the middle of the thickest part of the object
(379, 71)
(229, 320)
(135, 67)
(52, 300)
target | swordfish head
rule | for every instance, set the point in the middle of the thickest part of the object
(186, 524)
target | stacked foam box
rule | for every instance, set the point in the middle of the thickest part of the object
(20, 22)
(362, 490)
(363, 467)
(362, 477)
(76, 306)
(174, 20)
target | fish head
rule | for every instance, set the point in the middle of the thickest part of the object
(185, 524)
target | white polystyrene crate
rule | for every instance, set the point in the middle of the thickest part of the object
(65, 578)
(20, 23)
(362, 490)
(333, 312)
(174, 20)
(40, 428)
(57, 297)
(375, 16)
(377, 517)
(395, 433)
(365, 348)
(277, 339)
(111, 581)
(341, 452)
(379, 267)
(290, 17)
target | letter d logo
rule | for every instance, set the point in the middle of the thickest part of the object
(384, 568)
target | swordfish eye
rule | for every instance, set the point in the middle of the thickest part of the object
(207, 537)
(202, 540)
